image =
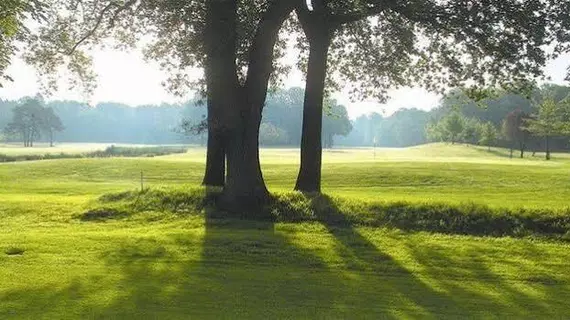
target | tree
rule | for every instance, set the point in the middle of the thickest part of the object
(28, 121)
(548, 122)
(235, 43)
(13, 14)
(395, 58)
(471, 131)
(514, 132)
(435, 132)
(272, 135)
(488, 135)
(335, 122)
(453, 125)
(51, 124)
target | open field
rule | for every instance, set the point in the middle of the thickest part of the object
(13, 149)
(53, 265)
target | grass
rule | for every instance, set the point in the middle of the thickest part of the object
(110, 151)
(171, 263)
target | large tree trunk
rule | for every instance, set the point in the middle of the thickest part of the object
(215, 159)
(309, 178)
(237, 108)
(245, 188)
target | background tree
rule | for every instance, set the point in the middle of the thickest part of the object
(51, 124)
(270, 135)
(435, 132)
(453, 124)
(471, 133)
(335, 122)
(28, 121)
(514, 132)
(548, 122)
(488, 135)
(405, 127)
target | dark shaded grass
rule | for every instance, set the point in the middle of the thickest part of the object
(464, 219)
(14, 251)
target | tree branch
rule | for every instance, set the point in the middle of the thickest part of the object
(100, 18)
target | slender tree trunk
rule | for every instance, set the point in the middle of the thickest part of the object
(51, 138)
(511, 154)
(26, 136)
(221, 81)
(522, 147)
(547, 148)
(309, 178)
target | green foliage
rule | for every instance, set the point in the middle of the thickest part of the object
(272, 135)
(335, 122)
(549, 121)
(13, 14)
(488, 134)
(30, 118)
(471, 131)
(449, 129)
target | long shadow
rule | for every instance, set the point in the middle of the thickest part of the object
(361, 255)
(444, 284)
(520, 288)
(497, 153)
(259, 269)
(212, 266)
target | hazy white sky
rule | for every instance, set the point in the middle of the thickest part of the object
(126, 78)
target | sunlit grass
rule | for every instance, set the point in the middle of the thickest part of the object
(175, 266)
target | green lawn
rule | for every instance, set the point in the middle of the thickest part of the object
(172, 266)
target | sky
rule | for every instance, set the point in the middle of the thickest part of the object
(125, 77)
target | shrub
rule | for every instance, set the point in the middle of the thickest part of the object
(468, 219)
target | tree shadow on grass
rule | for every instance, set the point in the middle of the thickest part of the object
(505, 283)
(217, 267)
(449, 284)
(257, 269)
(497, 152)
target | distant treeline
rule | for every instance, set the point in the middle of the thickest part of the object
(281, 125)
(408, 127)
(163, 124)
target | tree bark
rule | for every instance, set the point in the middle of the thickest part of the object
(221, 83)
(522, 147)
(215, 159)
(245, 188)
(547, 148)
(235, 109)
(319, 35)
